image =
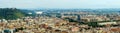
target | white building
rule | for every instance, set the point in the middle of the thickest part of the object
(105, 23)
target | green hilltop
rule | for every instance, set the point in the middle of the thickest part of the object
(10, 13)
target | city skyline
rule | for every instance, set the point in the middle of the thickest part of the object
(59, 4)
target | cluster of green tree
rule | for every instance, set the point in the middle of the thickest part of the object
(93, 24)
(26, 12)
(70, 20)
(10, 13)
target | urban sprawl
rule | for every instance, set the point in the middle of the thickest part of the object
(64, 21)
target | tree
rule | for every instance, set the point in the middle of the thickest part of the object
(93, 24)
(10, 13)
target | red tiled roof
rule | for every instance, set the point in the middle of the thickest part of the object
(115, 29)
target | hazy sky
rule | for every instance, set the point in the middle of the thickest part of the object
(60, 3)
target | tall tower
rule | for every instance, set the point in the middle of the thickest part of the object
(78, 18)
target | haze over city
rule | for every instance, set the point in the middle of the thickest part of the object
(59, 4)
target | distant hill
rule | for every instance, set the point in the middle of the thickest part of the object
(26, 12)
(10, 13)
